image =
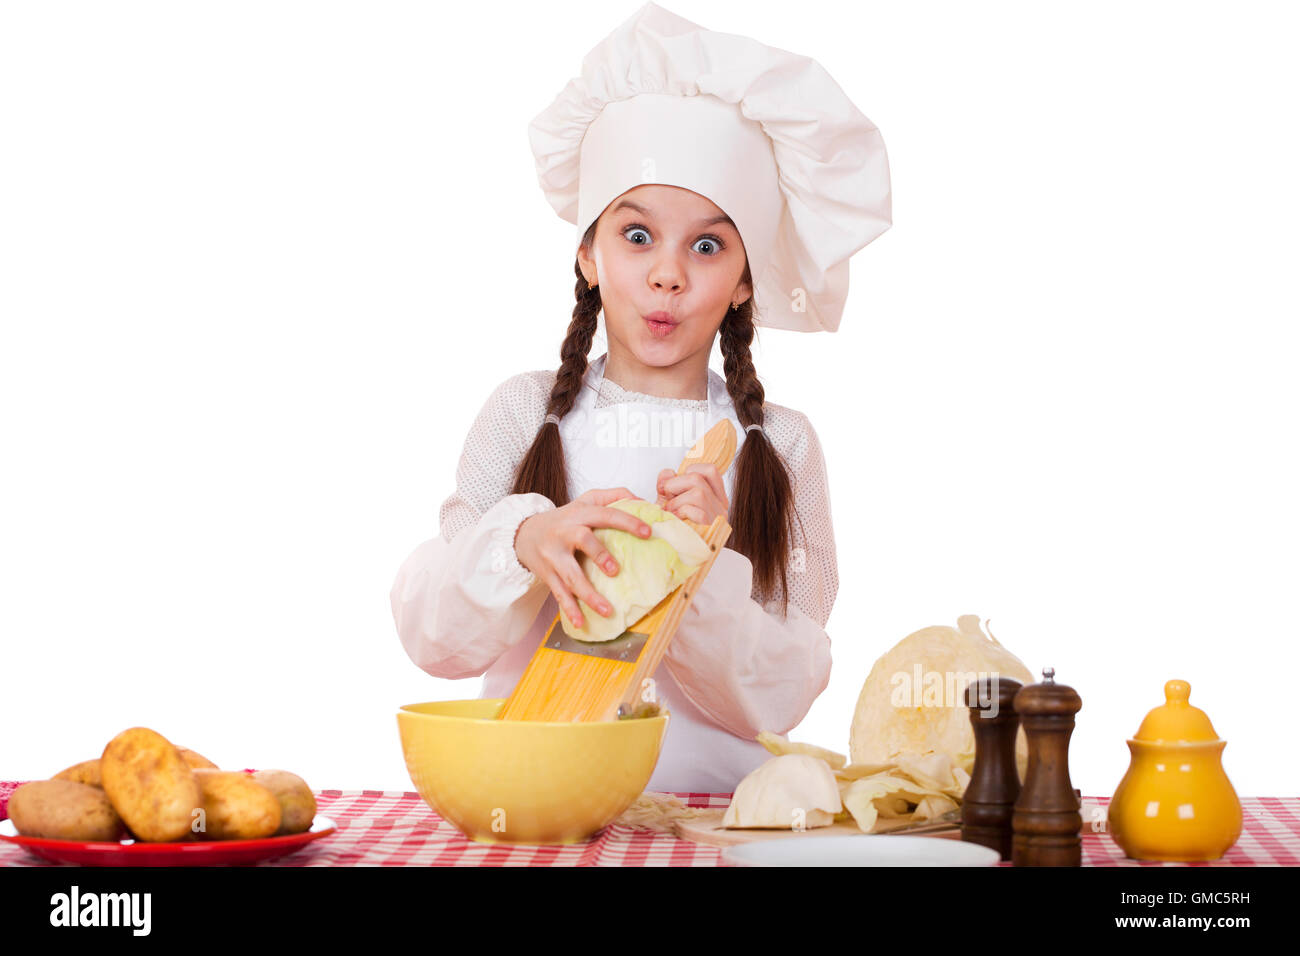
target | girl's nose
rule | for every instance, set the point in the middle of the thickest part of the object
(666, 273)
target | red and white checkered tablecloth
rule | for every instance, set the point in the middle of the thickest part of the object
(396, 828)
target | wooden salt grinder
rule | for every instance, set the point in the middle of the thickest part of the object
(1046, 823)
(990, 797)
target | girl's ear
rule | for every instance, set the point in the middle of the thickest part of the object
(743, 292)
(587, 263)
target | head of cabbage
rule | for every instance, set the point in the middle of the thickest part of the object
(648, 570)
(914, 697)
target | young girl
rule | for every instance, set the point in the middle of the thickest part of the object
(716, 183)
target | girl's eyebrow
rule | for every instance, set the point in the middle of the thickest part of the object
(713, 221)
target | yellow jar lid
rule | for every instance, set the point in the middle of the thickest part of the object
(1176, 720)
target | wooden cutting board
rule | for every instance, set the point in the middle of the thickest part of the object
(707, 829)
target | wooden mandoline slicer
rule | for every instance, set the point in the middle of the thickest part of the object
(569, 680)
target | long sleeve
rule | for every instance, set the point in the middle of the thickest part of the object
(462, 599)
(460, 605)
(734, 656)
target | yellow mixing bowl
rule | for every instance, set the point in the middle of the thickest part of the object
(521, 781)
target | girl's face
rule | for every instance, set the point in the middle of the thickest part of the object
(665, 249)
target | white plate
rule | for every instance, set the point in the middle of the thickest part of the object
(864, 850)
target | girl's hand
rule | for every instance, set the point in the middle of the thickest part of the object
(698, 495)
(546, 543)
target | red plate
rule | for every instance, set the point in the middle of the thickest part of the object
(131, 853)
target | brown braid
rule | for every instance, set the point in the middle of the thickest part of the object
(543, 469)
(761, 509)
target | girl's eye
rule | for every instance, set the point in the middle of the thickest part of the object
(713, 245)
(635, 229)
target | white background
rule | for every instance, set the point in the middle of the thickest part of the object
(261, 264)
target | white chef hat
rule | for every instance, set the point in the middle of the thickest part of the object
(767, 136)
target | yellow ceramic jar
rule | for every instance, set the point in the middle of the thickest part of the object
(1175, 803)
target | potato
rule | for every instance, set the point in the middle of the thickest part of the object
(235, 806)
(85, 772)
(151, 786)
(297, 802)
(64, 810)
(196, 760)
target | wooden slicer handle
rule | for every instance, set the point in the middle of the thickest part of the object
(716, 446)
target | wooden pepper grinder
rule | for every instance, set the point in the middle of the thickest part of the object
(1046, 823)
(990, 797)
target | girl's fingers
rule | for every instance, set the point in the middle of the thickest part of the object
(673, 484)
(695, 504)
(577, 581)
(598, 553)
(603, 496)
(711, 476)
(696, 476)
(693, 513)
(568, 606)
(604, 517)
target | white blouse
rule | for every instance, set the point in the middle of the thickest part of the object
(464, 606)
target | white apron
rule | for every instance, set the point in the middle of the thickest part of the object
(626, 446)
